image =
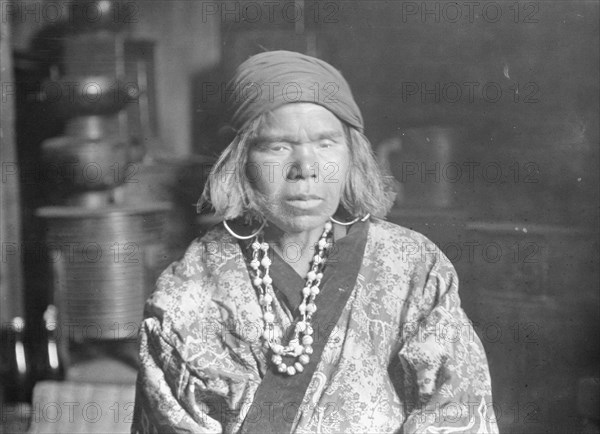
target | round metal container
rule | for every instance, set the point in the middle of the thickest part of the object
(104, 264)
(73, 96)
(85, 164)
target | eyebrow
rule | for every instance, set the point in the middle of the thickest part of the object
(274, 138)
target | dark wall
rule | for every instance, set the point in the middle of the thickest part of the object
(409, 70)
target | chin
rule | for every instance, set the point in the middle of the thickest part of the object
(299, 223)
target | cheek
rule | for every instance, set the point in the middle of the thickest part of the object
(257, 174)
(264, 179)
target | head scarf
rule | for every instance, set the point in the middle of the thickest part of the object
(269, 80)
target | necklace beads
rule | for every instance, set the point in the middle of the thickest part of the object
(300, 345)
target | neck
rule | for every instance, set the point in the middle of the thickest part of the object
(298, 248)
(293, 247)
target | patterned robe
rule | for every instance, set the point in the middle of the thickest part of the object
(403, 357)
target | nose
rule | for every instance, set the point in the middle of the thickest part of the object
(303, 164)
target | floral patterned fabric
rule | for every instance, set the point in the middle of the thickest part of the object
(403, 357)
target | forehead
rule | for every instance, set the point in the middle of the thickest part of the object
(300, 118)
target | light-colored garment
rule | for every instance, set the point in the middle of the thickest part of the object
(403, 356)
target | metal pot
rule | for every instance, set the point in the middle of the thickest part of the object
(73, 96)
(85, 164)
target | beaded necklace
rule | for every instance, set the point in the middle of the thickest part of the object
(300, 345)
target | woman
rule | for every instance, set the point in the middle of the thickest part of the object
(304, 311)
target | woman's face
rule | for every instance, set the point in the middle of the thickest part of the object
(298, 164)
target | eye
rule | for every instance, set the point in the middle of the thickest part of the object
(272, 146)
(277, 147)
(326, 144)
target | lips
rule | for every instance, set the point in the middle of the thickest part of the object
(304, 197)
(304, 201)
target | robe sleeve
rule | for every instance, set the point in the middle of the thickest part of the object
(446, 373)
(165, 400)
(170, 393)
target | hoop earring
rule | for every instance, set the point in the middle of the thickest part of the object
(240, 237)
(351, 222)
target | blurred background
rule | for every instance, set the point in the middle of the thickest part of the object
(486, 113)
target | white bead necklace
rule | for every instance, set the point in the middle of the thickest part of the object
(300, 346)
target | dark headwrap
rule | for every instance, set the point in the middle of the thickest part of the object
(269, 80)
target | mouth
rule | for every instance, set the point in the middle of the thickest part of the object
(304, 201)
(305, 197)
